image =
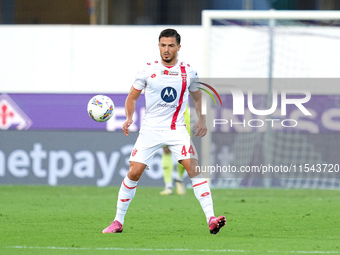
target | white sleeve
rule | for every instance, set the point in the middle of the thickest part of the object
(194, 85)
(140, 80)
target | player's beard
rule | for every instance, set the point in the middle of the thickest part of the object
(168, 60)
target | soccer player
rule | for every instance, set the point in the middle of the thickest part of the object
(167, 84)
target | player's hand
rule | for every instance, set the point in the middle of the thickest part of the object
(126, 126)
(200, 127)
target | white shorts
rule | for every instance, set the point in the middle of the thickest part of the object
(150, 141)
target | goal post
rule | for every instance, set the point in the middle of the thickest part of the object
(269, 48)
(209, 15)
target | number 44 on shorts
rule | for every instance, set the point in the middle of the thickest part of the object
(185, 152)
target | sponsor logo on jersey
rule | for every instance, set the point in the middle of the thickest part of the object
(11, 116)
(167, 105)
(167, 72)
(169, 94)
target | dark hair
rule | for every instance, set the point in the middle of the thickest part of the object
(170, 33)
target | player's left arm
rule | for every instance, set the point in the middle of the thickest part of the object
(201, 126)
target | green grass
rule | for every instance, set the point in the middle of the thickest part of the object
(34, 219)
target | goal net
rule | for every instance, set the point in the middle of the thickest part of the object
(277, 73)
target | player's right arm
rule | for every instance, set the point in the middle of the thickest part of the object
(130, 107)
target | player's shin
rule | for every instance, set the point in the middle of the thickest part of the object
(203, 195)
(126, 193)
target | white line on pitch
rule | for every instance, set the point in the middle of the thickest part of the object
(165, 249)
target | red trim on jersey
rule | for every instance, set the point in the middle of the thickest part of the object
(128, 186)
(198, 184)
(194, 91)
(137, 89)
(184, 86)
(170, 66)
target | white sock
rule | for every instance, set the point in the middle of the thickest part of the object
(203, 195)
(169, 185)
(126, 193)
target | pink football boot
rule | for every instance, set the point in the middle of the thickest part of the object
(216, 223)
(115, 227)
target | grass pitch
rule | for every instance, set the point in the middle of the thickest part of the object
(69, 220)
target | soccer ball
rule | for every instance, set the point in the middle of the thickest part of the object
(100, 108)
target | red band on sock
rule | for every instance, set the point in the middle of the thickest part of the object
(128, 186)
(198, 184)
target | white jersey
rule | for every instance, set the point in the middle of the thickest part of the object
(166, 94)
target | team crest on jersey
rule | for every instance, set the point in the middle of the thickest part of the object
(134, 151)
(168, 94)
(184, 77)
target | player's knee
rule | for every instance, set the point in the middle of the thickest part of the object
(135, 171)
(190, 166)
(133, 176)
